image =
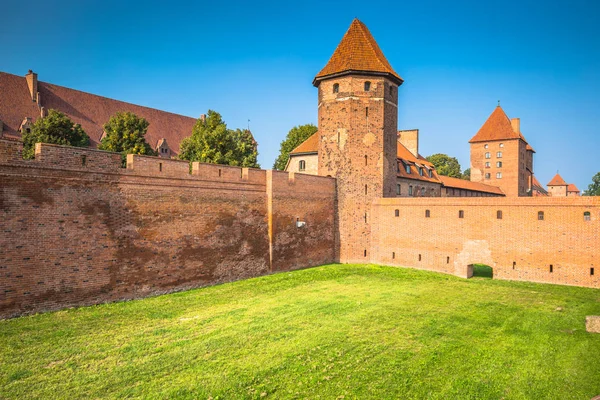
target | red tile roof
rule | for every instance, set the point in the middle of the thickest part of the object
(358, 52)
(408, 158)
(537, 187)
(468, 185)
(310, 145)
(572, 188)
(88, 110)
(497, 127)
(557, 181)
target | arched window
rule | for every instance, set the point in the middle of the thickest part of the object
(336, 88)
(587, 216)
(367, 86)
(301, 165)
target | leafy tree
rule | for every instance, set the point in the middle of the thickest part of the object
(466, 175)
(54, 128)
(294, 138)
(125, 133)
(446, 165)
(212, 142)
(594, 187)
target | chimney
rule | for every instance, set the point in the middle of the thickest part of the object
(203, 117)
(32, 83)
(410, 140)
(516, 124)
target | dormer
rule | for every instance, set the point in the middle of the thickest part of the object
(162, 148)
(26, 125)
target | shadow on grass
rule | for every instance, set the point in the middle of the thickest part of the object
(482, 271)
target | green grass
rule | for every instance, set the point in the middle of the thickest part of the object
(339, 331)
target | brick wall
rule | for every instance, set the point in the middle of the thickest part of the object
(519, 246)
(71, 236)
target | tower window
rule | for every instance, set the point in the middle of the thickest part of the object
(499, 164)
(499, 175)
(427, 214)
(301, 165)
(160, 167)
(487, 155)
(365, 189)
(592, 271)
(336, 88)
(551, 268)
(365, 252)
(366, 160)
(391, 90)
(398, 190)
(499, 214)
(461, 214)
(499, 154)
(488, 175)
(397, 213)
(587, 216)
(410, 190)
(366, 111)
(540, 215)
(367, 86)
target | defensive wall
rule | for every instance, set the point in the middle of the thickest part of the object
(540, 239)
(78, 229)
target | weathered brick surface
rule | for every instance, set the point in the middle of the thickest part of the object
(75, 237)
(518, 247)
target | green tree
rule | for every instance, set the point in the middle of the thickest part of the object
(446, 165)
(212, 142)
(125, 133)
(54, 128)
(466, 175)
(294, 138)
(594, 187)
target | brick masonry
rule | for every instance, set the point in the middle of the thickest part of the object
(79, 232)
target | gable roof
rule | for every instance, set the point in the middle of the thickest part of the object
(358, 52)
(408, 158)
(310, 145)
(537, 186)
(557, 181)
(469, 185)
(572, 188)
(496, 127)
(88, 110)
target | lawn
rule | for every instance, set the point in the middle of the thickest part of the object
(332, 332)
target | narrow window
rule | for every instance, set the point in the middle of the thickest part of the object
(540, 215)
(301, 165)
(393, 255)
(219, 172)
(487, 155)
(410, 191)
(514, 264)
(499, 154)
(367, 86)
(499, 214)
(365, 252)
(366, 160)
(592, 271)
(421, 171)
(407, 168)
(397, 213)
(365, 189)
(160, 167)
(366, 111)
(336, 87)
(83, 160)
(430, 173)
(365, 218)
(391, 90)
(551, 268)
(427, 214)
(398, 190)
(447, 260)
(587, 216)
(499, 175)
(499, 164)
(419, 257)
(461, 214)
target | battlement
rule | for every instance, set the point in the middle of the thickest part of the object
(226, 173)
(157, 166)
(78, 158)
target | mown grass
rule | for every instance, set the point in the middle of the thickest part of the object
(338, 331)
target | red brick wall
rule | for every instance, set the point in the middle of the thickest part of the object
(74, 236)
(446, 243)
(515, 179)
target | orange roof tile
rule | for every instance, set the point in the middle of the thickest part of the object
(537, 186)
(557, 181)
(497, 127)
(310, 145)
(468, 185)
(408, 158)
(572, 188)
(358, 52)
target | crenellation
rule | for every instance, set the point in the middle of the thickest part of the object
(77, 158)
(157, 166)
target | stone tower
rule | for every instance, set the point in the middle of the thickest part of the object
(358, 125)
(500, 155)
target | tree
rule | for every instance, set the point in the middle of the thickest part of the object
(445, 165)
(212, 142)
(466, 175)
(294, 138)
(125, 133)
(54, 128)
(594, 187)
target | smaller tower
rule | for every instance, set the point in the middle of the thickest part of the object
(557, 187)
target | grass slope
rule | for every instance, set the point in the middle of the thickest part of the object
(339, 331)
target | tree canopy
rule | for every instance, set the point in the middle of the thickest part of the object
(466, 175)
(594, 187)
(212, 142)
(125, 133)
(446, 165)
(54, 128)
(294, 138)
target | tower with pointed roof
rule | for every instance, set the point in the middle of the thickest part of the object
(557, 187)
(358, 121)
(500, 155)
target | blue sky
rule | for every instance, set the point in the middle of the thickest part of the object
(256, 60)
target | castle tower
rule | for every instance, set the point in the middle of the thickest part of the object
(500, 155)
(557, 187)
(358, 125)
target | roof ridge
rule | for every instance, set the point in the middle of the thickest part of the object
(369, 40)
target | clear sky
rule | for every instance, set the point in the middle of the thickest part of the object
(256, 60)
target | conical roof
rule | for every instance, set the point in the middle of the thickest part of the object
(358, 52)
(557, 181)
(497, 127)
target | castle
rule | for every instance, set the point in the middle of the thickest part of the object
(77, 228)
